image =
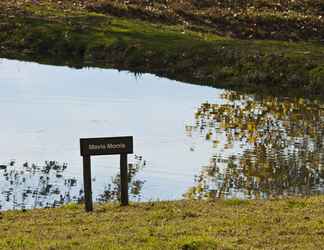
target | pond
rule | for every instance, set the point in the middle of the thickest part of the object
(189, 141)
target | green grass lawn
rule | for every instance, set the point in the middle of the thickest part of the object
(296, 223)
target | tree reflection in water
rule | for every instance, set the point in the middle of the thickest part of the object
(264, 147)
(135, 185)
(38, 186)
(34, 186)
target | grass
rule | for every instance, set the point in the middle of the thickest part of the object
(257, 19)
(295, 223)
(85, 35)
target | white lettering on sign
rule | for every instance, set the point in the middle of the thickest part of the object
(106, 146)
(97, 147)
(121, 145)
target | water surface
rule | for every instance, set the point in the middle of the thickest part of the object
(46, 109)
(189, 141)
(263, 147)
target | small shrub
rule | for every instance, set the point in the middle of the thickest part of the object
(235, 202)
(200, 243)
(317, 78)
(296, 204)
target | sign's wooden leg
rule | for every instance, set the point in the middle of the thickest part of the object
(87, 183)
(123, 180)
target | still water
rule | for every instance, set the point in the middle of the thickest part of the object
(44, 111)
(189, 141)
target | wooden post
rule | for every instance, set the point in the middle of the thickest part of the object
(123, 180)
(105, 146)
(87, 183)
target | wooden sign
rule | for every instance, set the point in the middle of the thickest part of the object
(105, 146)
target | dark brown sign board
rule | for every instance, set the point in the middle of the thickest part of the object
(105, 146)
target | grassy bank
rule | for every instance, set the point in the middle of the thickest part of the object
(96, 33)
(279, 224)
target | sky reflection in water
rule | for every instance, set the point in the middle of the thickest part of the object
(230, 146)
(46, 109)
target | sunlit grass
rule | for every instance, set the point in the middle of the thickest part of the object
(295, 223)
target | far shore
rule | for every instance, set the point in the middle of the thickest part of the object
(109, 35)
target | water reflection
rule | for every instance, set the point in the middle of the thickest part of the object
(264, 147)
(103, 103)
(46, 185)
(135, 184)
(35, 186)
